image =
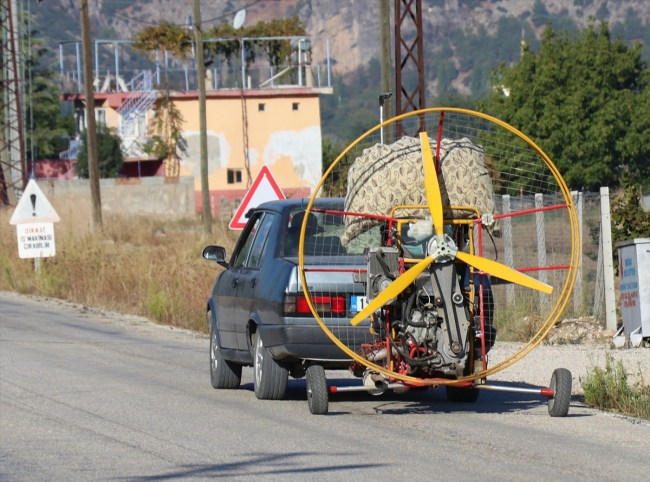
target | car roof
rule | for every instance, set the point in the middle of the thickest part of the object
(284, 205)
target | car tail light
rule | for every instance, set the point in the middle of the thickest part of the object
(324, 305)
(289, 305)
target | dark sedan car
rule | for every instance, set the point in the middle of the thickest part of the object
(257, 313)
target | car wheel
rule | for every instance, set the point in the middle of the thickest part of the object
(223, 373)
(461, 395)
(561, 383)
(317, 396)
(270, 377)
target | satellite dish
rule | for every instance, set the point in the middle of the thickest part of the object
(239, 19)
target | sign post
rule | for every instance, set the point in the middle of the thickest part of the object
(34, 218)
(264, 189)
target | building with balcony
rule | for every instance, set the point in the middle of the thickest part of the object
(258, 114)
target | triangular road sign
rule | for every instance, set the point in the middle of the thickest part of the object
(34, 207)
(264, 189)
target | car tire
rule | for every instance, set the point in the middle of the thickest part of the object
(461, 395)
(317, 395)
(224, 374)
(561, 383)
(269, 376)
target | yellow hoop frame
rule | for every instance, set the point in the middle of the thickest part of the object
(553, 316)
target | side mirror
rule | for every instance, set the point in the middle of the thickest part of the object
(215, 253)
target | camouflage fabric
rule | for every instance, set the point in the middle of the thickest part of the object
(385, 176)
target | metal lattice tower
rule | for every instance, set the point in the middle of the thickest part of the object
(409, 95)
(12, 147)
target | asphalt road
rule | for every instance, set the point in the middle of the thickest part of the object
(91, 396)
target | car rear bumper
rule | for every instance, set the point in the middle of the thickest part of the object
(309, 342)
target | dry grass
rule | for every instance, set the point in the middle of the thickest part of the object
(609, 389)
(138, 265)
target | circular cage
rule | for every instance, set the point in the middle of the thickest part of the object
(418, 250)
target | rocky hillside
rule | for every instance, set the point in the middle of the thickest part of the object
(351, 24)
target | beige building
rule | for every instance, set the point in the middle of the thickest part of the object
(274, 122)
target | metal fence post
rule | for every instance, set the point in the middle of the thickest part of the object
(608, 259)
(578, 299)
(541, 247)
(599, 289)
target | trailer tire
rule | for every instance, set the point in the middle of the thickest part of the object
(561, 382)
(317, 396)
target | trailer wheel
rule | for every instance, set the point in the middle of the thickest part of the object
(561, 382)
(317, 396)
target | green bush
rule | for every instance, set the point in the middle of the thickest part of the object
(109, 154)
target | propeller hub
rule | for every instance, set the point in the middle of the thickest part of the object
(442, 248)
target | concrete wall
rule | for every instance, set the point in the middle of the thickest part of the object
(145, 196)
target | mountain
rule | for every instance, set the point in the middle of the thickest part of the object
(464, 39)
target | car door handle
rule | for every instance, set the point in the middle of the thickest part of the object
(253, 282)
(235, 281)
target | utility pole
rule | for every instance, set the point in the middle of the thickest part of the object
(386, 71)
(91, 128)
(12, 147)
(409, 57)
(203, 135)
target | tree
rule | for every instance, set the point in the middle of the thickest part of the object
(584, 100)
(109, 154)
(168, 142)
(178, 41)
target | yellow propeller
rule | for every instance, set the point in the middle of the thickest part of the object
(431, 186)
(394, 289)
(443, 248)
(503, 272)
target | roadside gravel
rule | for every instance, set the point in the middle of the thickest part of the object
(537, 367)
(534, 369)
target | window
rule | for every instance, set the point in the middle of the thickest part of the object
(261, 107)
(247, 242)
(234, 176)
(257, 251)
(82, 125)
(100, 116)
(295, 105)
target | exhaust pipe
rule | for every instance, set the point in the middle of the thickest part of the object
(380, 355)
(374, 382)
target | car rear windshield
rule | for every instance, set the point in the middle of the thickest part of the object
(323, 234)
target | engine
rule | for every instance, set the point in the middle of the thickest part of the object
(427, 324)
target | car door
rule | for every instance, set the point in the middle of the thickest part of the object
(225, 307)
(249, 278)
(229, 286)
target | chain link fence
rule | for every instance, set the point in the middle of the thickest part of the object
(540, 241)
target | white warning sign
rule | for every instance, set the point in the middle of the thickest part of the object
(36, 240)
(33, 207)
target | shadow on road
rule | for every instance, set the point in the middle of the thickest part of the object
(428, 401)
(259, 465)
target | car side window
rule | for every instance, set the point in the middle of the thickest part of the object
(246, 244)
(255, 258)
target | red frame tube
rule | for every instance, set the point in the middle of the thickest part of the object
(527, 211)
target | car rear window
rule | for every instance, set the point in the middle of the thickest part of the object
(323, 235)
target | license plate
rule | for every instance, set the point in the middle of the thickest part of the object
(357, 303)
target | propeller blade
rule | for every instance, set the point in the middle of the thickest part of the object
(431, 186)
(502, 271)
(394, 289)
